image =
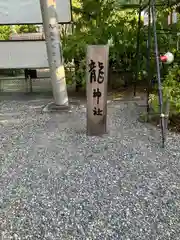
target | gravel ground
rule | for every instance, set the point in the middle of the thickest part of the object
(56, 183)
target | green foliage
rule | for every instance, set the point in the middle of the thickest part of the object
(171, 87)
(171, 91)
(25, 28)
(91, 26)
(5, 32)
(97, 22)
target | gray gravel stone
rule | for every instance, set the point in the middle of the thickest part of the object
(57, 183)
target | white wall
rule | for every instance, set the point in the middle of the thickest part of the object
(28, 11)
(23, 54)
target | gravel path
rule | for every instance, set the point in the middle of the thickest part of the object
(58, 184)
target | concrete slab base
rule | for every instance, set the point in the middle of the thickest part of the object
(52, 107)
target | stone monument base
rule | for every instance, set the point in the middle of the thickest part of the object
(52, 107)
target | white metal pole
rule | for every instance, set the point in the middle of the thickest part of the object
(52, 36)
